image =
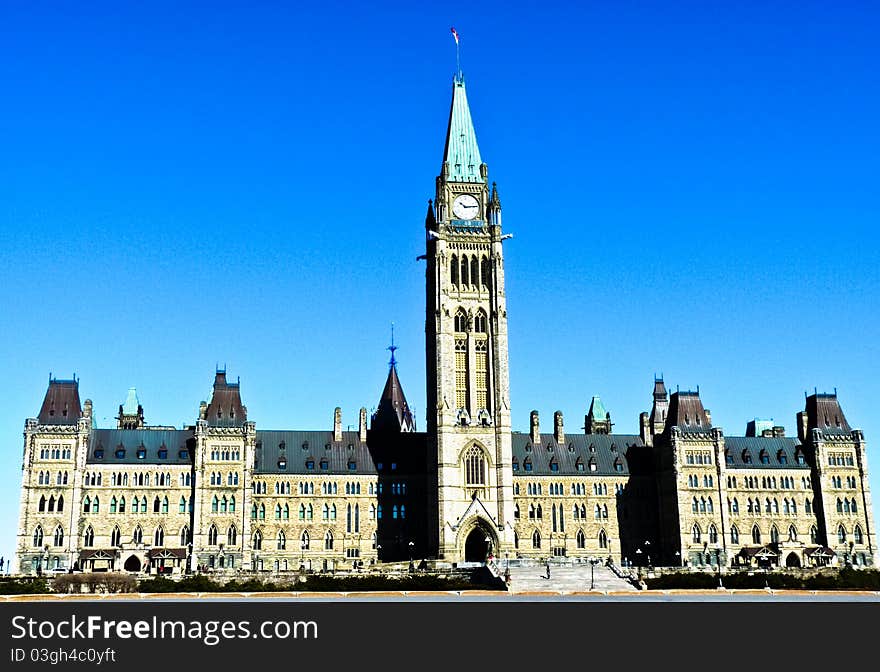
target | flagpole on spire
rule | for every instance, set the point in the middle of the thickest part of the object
(457, 53)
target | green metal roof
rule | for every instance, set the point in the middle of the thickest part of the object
(462, 153)
(597, 410)
(130, 407)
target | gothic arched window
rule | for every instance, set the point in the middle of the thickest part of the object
(475, 466)
(461, 321)
(453, 270)
(89, 537)
(485, 272)
(756, 535)
(536, 539)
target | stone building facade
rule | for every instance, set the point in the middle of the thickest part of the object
(226, 495)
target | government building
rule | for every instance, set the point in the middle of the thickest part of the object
(227, 496)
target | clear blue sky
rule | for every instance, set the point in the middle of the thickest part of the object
(693, 190)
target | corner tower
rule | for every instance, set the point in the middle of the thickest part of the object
(468, 399)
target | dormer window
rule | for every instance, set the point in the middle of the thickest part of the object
(305, 445)
(326, 446)
(324, 464)
(183, 454)
(799, 457)
(282, 463)
(579, 465)
(527, 465)
(142, 453)
(99, 454)
(310, 465)
(593, 465)
(515, 464)
(120, 453)
(554, 466)
(764, 457)
(352, 465)
(746, 457)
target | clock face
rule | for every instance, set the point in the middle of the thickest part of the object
(465, 207)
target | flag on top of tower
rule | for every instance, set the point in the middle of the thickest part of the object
(454, 34)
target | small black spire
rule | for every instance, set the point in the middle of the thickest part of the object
(392, 348)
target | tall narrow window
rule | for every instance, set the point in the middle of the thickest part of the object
(159, 537)
(453, 270)
(38, 537)
(481, 362)
(115, 536)
(464, 271)
(461, 373)
(475, 467)
(484, 274)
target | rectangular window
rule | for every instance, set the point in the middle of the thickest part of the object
(461, 373)
(482, 364)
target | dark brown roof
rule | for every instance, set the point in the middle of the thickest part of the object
(686, 411)
(824, 413)
(659, 390)
(166, 553)
(225, 408)
(61, 405)
(393, 413)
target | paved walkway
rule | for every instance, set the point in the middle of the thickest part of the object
(567, 579)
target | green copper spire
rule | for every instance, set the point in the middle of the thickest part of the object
(597, 409)
(461, 157)
(130, 407)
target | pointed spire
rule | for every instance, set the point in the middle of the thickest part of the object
(461, 156)
(495, 201)
(393, 413)
(131, 405)
(430, 219)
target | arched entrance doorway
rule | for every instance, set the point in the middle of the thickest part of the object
(132, 564)
(792, 560)
(475, 547)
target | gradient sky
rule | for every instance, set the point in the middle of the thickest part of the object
(693, 190)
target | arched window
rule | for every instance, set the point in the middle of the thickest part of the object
(138, 535)
(38, 537)
(792, 533)
(814, 534)
(839, 505)
(231, 535)
(713, 534)
(212, 535)
(215, 504)
(581, 539)
(475, 271)
(461, 321)
(484, 272)
(696, 534)
(258, 541)
(89, 537)
(475, 466)
(181, 507)
(159, 537)
(42, 505)
(734, 535)
(87, 504)
(808, 506)
(841, 534)
(463, 278)
(857, 535)
(536, 539)
(756, 535)
(165, 505)
(481, 323)
(116, 536)
(328, 541)
(735, 508)
(539, 512)
(184, 535)
(603, 539)
(453, 270)
(774, 535)
(136, 505)
(305, 540)
(852, 506)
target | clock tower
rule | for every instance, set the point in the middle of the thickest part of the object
(468, 411)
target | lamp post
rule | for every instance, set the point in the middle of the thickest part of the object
(378, 552)
(593, 563)
(638, 557)
(411, 545)
(302, 554)
(648, 551)
(718, 560)
(678, 558)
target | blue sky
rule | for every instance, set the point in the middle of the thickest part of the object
(692, 190)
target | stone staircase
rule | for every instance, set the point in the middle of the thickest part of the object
(566, 579)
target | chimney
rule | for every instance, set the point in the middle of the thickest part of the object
(779, 431)
(535, 428)
(362, 425)
(87, 408)
(802, 420)
(203, 410)
(558, 430)
(337, 424)
(708, 416)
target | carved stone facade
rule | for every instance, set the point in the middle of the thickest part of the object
(226, 495)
